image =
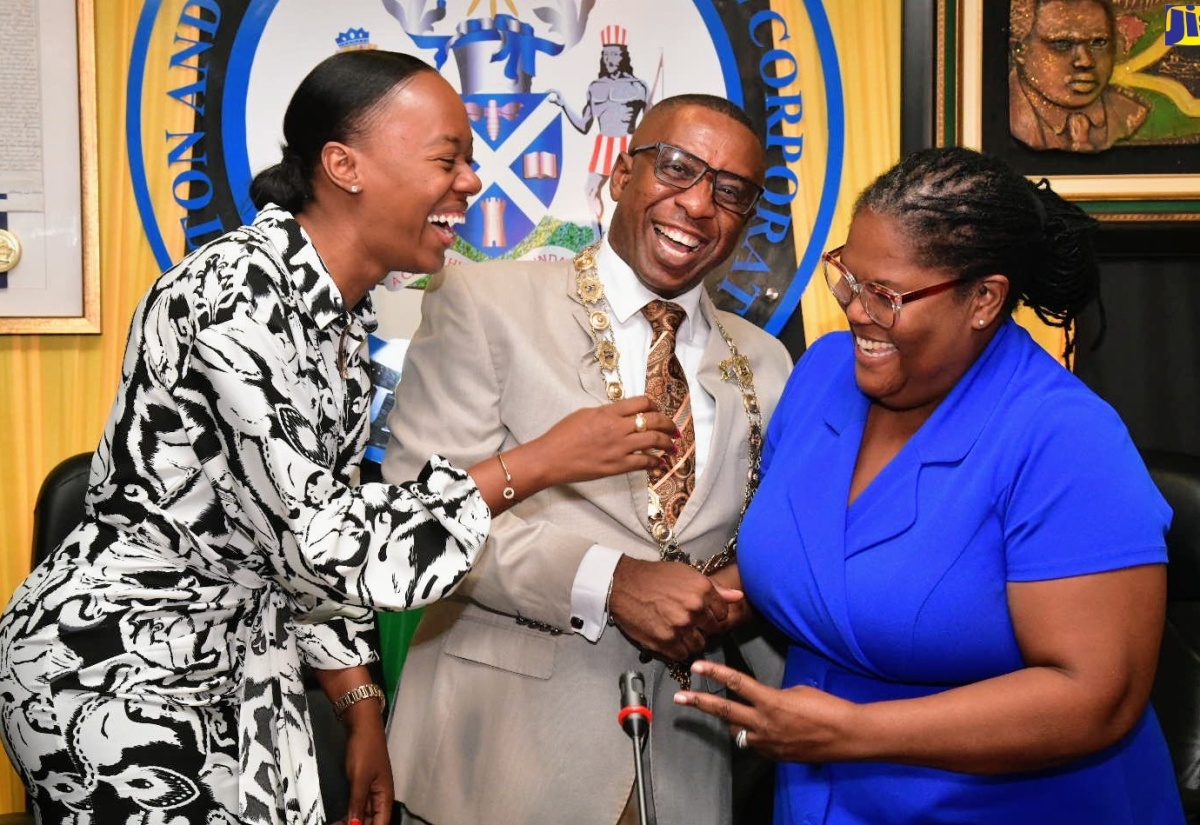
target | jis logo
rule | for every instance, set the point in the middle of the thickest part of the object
(553, 90)
(1183, 25)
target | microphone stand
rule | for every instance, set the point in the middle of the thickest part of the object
(635, 718)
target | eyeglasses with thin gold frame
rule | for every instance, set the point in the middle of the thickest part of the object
(881, 304)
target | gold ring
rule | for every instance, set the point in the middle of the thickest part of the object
(639, 423)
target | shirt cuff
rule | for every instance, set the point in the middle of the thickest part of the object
(589, 591)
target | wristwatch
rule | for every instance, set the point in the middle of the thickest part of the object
(367, 691)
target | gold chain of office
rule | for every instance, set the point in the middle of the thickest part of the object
(736, 369)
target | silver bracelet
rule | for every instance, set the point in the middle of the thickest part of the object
(508, 492)
(367, 691)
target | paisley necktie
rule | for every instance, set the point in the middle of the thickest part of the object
(667, 386)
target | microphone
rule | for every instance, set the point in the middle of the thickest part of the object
(635, 718)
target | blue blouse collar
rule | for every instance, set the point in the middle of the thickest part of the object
(956, 424)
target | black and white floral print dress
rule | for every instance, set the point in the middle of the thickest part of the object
(150, 669)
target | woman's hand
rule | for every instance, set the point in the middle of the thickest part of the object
(611, 439)
(594, 442)
(799, 724)
(368, 769)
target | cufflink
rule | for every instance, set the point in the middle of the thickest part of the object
(576, 623)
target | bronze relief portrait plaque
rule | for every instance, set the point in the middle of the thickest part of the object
(1087, 74)
(1102, 97)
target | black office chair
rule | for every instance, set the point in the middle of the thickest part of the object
(59, 507)
(58, 510)
(1176, 694)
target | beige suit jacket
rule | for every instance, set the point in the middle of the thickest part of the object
(498, 719)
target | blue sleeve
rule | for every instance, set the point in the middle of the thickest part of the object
(1081, 500)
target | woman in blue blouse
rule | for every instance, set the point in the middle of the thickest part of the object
(957, 537)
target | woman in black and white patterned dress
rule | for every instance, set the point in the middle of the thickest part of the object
(150, 669)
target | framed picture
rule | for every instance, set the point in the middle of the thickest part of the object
(1138, 157)
(49, 256)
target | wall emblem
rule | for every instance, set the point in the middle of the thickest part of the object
(553, 89)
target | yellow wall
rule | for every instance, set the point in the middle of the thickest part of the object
(868, 38)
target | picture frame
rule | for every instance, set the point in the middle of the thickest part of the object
(1125, 184)
(58, 291)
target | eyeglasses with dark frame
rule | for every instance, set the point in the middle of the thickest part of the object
(683, 170)
(881, 304)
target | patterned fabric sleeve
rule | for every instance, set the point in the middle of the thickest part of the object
(259, 428)
(338, 641)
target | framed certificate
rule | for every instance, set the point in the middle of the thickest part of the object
(49, 257)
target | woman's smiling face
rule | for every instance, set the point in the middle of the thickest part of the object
(414, 158)
(916, 362)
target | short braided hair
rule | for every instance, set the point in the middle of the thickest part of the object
(970, 214)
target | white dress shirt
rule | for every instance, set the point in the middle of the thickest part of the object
(626, 295)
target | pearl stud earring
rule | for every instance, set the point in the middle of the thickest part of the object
(355, 189)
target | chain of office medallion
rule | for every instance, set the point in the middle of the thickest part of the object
(736, 368)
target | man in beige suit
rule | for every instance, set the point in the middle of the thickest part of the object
(506, 710)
